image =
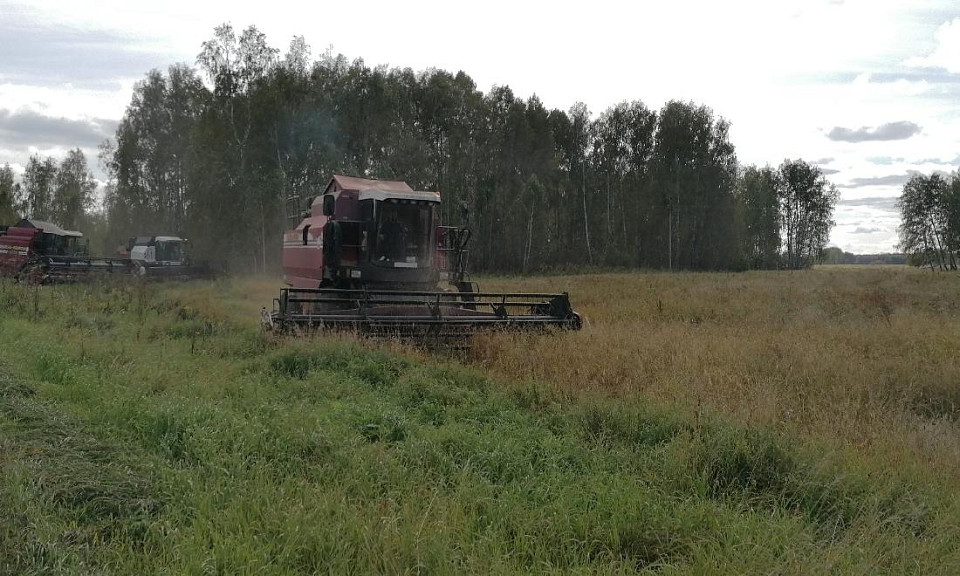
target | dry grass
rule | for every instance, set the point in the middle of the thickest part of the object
(862, 358)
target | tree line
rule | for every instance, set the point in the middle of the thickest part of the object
(214, 152)
(930, 220)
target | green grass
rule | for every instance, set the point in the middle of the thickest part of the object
(157, 430)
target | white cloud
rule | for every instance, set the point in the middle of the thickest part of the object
(67, 101)
(18, 169)
(866, 228)
(947, 53)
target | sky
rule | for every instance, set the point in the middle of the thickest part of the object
(867, 90)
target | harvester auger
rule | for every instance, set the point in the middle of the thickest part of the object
(369, 256)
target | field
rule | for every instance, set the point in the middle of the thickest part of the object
(776, 423)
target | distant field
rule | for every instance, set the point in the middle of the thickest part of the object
(776, 422)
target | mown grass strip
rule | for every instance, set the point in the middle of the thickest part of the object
(65, 491)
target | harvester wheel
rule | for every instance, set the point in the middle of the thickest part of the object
(577, 323)
(266, 321)
(466, 290)
(30, 274)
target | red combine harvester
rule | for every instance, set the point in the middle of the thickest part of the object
(369, 255)
(41, 252)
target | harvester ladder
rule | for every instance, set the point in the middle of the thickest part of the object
(293, 210)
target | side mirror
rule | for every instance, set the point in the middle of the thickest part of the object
(329, 203)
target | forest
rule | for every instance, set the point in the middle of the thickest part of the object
(214, 152)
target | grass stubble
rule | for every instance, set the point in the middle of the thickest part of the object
(700, 423)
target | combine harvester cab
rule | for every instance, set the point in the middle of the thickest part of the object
(369, 255)
(41, 252)
(164, 257)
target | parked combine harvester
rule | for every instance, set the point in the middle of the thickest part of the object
(40, 252)
(163, 257)
(369, 255)
(43, 253)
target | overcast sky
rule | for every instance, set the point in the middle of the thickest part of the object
(869, 90)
